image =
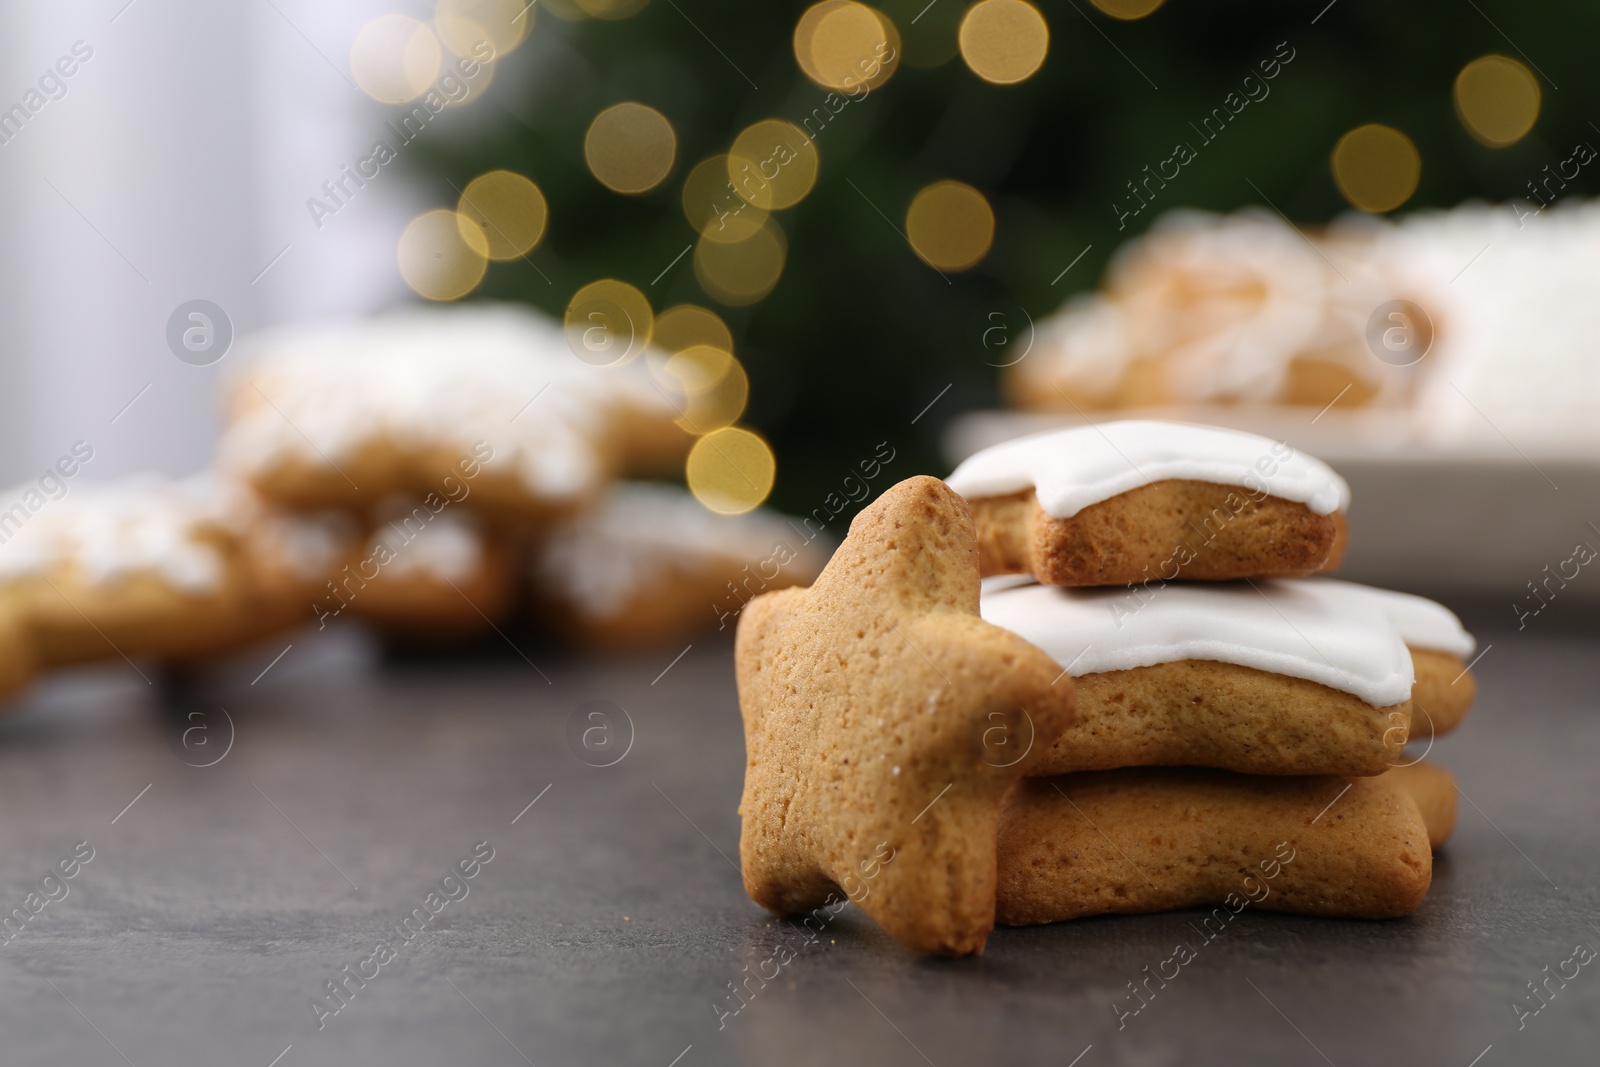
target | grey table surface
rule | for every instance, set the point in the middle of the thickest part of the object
(610, 921)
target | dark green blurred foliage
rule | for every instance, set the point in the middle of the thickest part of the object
(860, 335)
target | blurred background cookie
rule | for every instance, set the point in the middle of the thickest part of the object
(486, 401)
(650, 563)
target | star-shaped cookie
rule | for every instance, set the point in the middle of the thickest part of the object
(884, 721)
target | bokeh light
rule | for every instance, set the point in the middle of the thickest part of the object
(686, 325)
(950, 225)
(608, 322)
(395, 58)
(731, 470)
(509, 209)
(713, 386)
(466, 26)
(442, 255)
(630, 148)
(714, 209)
(773, 164)
(1497, 100)
(742, 273)
(1004, 41)
(1376, 167)
(1127, 10)
(841, 45)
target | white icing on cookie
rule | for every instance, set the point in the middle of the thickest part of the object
(437, 378)
(106, 533)
(642, 533)
(1074, 468)
(1318, 630)
(1422, 623)
(449, 547)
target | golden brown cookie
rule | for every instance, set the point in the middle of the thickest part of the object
(1164, 531)
(487, 405)
(1443, 693)
(1203, 713)
(866, 698)
(651, 563)
(1149, 501)
(142, 567)
(1434, 790)
(1142, 840)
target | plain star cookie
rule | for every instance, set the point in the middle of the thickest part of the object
(346, 414)
(1149, 502)
(868, 700)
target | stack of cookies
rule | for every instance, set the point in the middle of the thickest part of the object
(1094, 673)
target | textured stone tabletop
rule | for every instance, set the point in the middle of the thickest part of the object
(604, 917)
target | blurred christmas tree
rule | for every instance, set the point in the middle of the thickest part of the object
(946, 116)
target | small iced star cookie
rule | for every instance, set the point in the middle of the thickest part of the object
(1147, 502)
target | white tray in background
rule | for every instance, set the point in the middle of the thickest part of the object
(1482, 518)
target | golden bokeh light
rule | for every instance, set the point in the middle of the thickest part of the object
(686, 325)
(1497, 100)
(714, 209)
(1004, 41)
(395, 58)
(442, 255)
(742, 273)
(1376, 167)
(630, 148)
(608, 322)
(712, 386)
(509, 210)
(731, 470)
(841, 44)
(773, 164)
(467, 27)
(1127, 10)
(950, 225)
(611, 9)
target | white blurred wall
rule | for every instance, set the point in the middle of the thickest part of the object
(176, 166)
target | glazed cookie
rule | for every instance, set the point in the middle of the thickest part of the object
(142, 567)
(1142, 840)
(421, 400)
(1274, 677)
(1445, 687)
(865, 700)
(1147, 502)
(423, 573)
(651, 563)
